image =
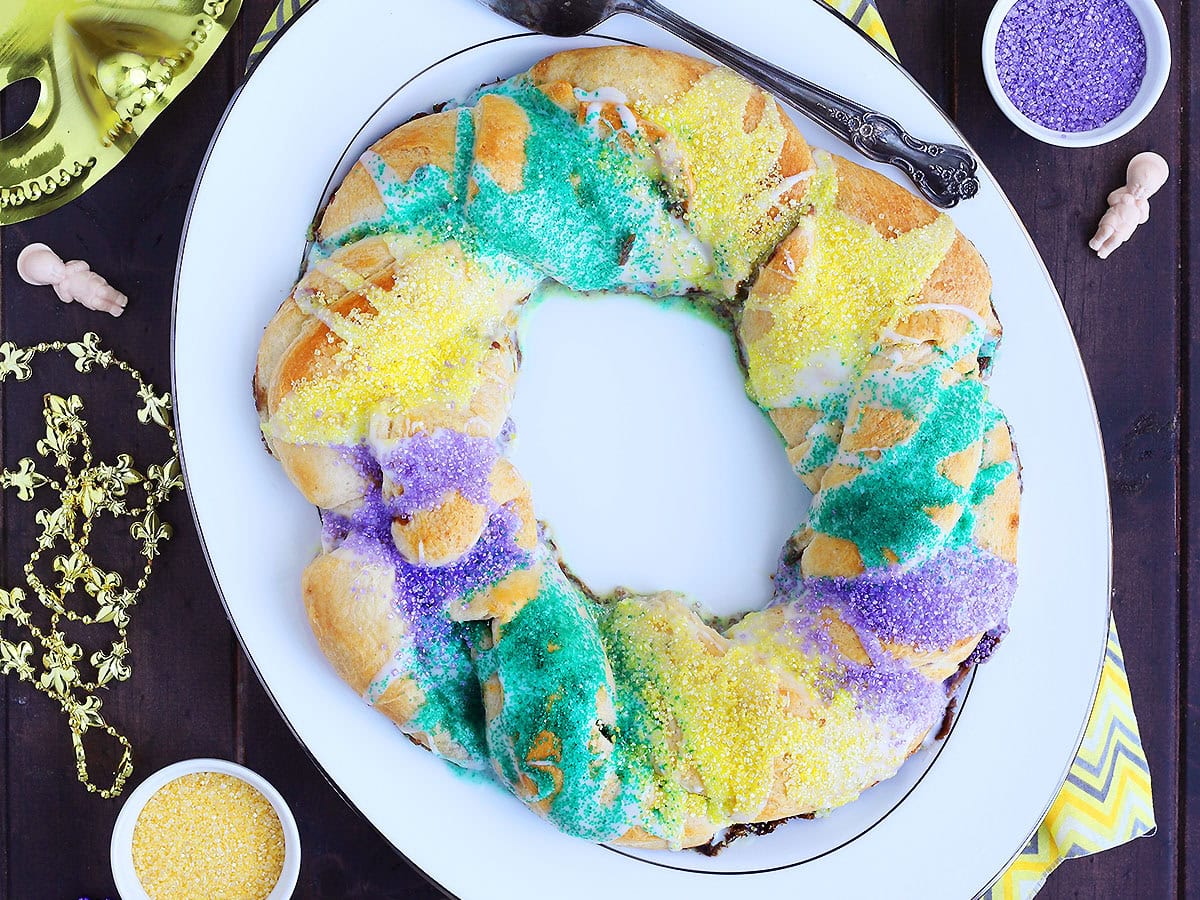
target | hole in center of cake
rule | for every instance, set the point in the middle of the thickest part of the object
(651, 466)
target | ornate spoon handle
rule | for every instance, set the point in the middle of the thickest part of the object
(944, 174)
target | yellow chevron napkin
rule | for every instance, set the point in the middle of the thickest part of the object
(1106, 800)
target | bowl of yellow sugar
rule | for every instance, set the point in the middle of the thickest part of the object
(205, 828)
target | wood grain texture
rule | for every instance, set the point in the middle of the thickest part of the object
(1188, 811)
(193, 693)
(1126, 316)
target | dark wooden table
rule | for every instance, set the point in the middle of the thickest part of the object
(1136, 318)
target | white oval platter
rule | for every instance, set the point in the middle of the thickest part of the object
(631, 413)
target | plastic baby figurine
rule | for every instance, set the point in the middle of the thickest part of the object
(72, 281)
(1128, 206)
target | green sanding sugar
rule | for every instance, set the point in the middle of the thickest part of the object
(582, 210)
(645, 758)
(446, 675)
(584, 213)
(982, 488)
(886, 506)
(551, 665)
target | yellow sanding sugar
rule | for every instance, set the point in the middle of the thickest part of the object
(208, 835)
(852, 285)
(424, 343)
(733, 719)
(735, 173)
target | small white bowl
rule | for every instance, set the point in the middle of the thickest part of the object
(128, 885)
(1158, 67)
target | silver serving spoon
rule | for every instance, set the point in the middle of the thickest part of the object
(945, 174)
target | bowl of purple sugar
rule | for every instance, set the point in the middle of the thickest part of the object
(1076, 73)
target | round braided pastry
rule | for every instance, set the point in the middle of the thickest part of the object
(864, 323)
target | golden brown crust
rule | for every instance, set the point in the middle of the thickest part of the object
(503, 600)
(439, 535)
(866, 195)
(831, 557)
(349, 603)
(325, 475)
(641, 73)
(935, 665)
(283, 329)
(429, 140)
(501, 130)
(998, 516)
(961, 279)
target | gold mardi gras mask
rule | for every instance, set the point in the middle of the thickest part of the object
(105, 70)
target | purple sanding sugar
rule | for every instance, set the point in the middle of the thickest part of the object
(894, 692)
(889, 690)
(987, 646)
(423, 593)
(362, 459)
(932, 606)
(429, 466)
(1071, 65)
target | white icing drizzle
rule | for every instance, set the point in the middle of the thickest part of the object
(888, 379)
(769, 200)
(890, 334)
(378, 685)
(824, 373)
(673, 165)
(954, 307)
(820, 427)
(823, 427)
(348, 279)
(854, 458)
(596, 101)
(681, 259)
(387, 182)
